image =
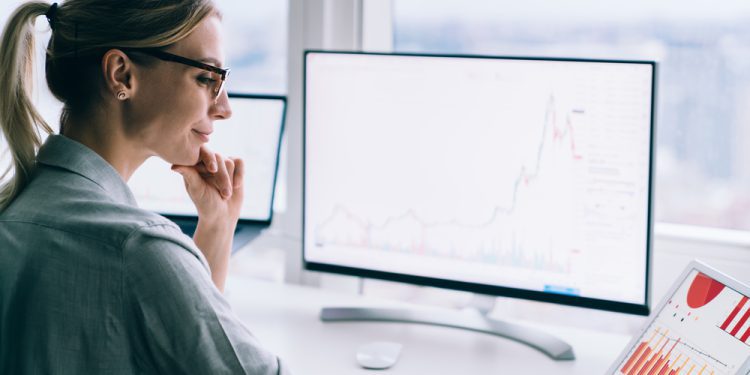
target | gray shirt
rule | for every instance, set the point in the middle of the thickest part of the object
(91, 284)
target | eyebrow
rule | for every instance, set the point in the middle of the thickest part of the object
(211, 60)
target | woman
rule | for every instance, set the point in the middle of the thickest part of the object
(89, 283)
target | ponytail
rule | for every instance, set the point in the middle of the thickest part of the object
(19, 120)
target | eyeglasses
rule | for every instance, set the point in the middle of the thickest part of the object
(217, 85)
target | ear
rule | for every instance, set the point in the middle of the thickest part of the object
(119, 77)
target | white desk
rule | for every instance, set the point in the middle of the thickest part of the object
(285, 318)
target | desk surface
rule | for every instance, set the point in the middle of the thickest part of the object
(285, 318)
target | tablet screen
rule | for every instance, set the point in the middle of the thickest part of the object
(704, 328)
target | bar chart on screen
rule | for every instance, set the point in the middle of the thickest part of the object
(702, 329)
(662, 354)
(736, 322)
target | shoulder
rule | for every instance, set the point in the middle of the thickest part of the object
(164, 271)
(183, 322)
(73, 205)
(160, 243)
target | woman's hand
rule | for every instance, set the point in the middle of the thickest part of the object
(215, 185)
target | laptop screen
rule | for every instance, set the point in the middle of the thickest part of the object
(253, 133)
(703, 328)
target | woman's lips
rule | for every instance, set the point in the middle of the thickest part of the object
(202, 135)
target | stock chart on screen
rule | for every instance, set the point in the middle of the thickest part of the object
(529, 174)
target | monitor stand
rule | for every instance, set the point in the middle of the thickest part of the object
(475, 319)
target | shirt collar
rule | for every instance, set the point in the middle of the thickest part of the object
(62, 152)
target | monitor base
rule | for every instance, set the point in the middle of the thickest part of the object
(548, 344)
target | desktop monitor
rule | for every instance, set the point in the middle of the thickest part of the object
(253, 133)
(505, 176)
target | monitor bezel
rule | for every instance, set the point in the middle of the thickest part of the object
(494, 290)
(246, 221)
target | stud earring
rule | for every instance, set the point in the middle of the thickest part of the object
(122, 95)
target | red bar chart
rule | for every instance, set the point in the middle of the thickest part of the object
(703, 329)
(665, 355)
(735, 326)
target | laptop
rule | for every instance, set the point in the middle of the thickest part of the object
(253, 133)
(701, 327)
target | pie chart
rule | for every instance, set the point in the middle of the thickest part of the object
(703, 290)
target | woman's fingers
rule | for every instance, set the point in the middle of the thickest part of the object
(230, 170)
(191, 177)
(222, 178)
(214, 170)
(209, 159)
(234, 204)
(239, 173)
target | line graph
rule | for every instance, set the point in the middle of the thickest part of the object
(514, 175)
(408, 233)
(493, 240)
(559, 134)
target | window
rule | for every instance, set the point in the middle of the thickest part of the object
(703, 120)
(255, 35)
(255, 42)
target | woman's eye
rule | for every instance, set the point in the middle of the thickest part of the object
(206, 80)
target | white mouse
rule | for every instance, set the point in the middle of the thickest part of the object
(378, 355)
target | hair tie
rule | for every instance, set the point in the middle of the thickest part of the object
(51, 15)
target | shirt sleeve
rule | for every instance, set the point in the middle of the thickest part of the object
(181, 324)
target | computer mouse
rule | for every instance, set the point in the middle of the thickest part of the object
(378, 355)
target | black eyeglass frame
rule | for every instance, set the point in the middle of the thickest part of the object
(166, 56)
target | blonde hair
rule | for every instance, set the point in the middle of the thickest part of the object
(82, 30)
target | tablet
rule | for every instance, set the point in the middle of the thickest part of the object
(701, 326)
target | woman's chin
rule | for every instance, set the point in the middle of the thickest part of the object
(191, 158)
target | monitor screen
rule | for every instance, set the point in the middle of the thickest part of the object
(520, 177)
(702, 328)
(252, 133)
